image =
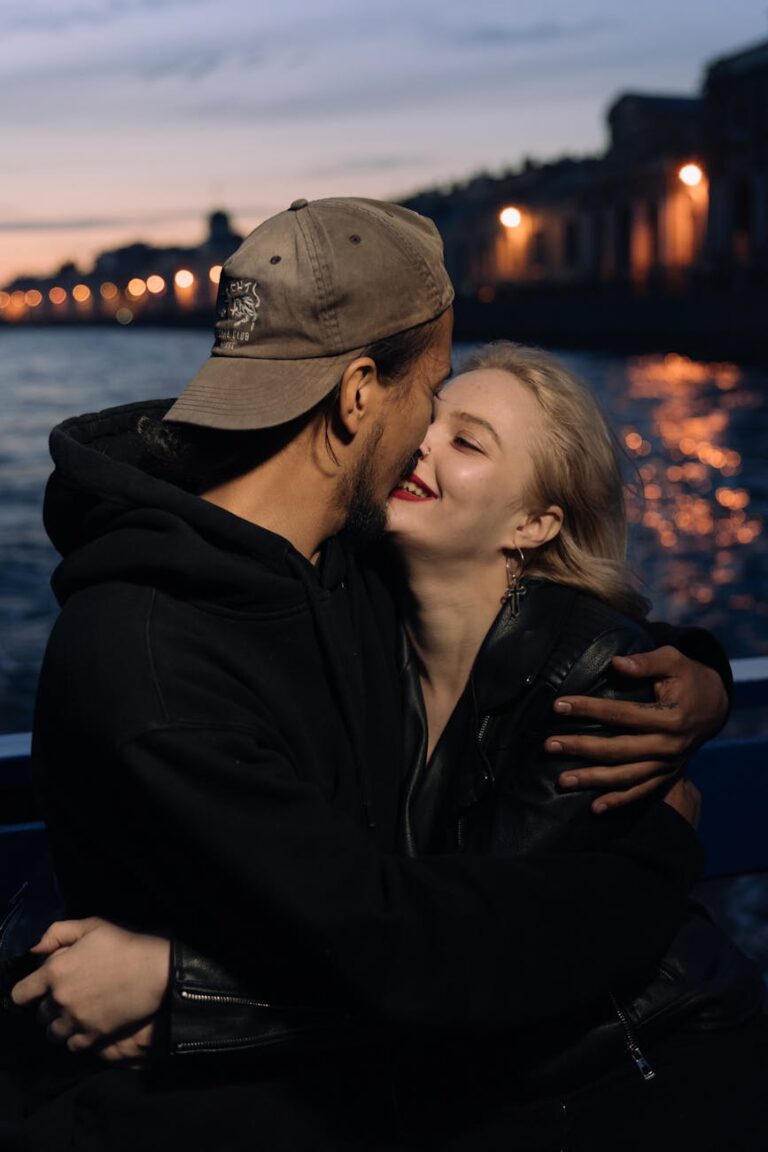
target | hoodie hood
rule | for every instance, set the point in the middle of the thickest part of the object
(112, 517)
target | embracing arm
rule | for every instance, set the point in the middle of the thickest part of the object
(316, 916)
(533, 752)
(645, 743)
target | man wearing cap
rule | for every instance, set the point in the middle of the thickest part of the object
(218, 730)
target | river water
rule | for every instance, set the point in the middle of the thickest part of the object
(695, 432)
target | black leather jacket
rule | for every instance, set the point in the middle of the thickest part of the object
(490, 787)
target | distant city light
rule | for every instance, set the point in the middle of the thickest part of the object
(137, 286)
(184, 278)
(510, 217)
(108, 290)
(81, 293)
(155, 284)
(57, 295)
(214, 273)
(33, 298)
(17, 299)
(123, 315)
(691, 174)
(5, 299)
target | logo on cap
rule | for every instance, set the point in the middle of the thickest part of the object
(237, 311)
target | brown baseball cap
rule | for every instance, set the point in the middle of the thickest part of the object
(308, 290)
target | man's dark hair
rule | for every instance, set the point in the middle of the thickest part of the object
(198, 459)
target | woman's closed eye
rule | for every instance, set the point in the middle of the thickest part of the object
(463, 442)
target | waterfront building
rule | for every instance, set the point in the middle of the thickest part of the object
(678, 200)
(736, 155)
(136, 281)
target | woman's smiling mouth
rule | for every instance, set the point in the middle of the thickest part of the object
(413, 489)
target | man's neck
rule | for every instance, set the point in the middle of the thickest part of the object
(292, 494)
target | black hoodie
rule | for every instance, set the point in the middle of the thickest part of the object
(218, 744)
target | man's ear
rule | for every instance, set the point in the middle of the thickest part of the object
(538, 528)
(358, 393)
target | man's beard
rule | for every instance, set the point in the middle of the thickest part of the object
(366, 513)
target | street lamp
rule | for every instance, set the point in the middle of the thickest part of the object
(510, 217)
(690, 175)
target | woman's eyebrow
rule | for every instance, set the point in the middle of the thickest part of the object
(468, 418)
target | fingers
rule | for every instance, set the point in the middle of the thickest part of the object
(63, 933)
(661, 662)
(60, 1029)
(630, 749)
(31, 988)
(124, 1053)
(58, 1023)
(613, 800)
(80, 1042)
(132, 1050)
(618, 778)
(639, 717)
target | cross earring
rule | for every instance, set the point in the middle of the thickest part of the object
(515, 586)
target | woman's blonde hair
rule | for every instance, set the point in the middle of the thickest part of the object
(576, 465)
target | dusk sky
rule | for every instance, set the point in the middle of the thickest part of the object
(128, 119)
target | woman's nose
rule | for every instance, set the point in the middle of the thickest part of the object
(424, 448)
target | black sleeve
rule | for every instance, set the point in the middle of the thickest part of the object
(696, 644)
(245, 856)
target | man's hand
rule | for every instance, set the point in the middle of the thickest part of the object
(685, 798)
(691, 704)
(99, 987)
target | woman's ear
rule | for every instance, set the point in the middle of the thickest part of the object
(539, 528)
(357, 392)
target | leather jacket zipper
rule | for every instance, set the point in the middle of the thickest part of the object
(222, 998)
(632, 1045)
(217, 1045)
(481, 730)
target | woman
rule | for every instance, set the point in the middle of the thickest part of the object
(511, 538)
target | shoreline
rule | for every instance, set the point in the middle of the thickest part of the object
(703, 325)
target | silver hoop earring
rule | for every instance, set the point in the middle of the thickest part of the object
(515, 586)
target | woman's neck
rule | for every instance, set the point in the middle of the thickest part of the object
(451, 607)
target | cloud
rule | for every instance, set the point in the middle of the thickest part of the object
(486, 35)
(92, 223)
(51, 16)
(349, 165)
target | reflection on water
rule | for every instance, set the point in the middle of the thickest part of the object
(691, 500)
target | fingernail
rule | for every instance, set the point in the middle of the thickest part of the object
(626, 661)
(562, 706)
(600, 807)
(553, 746)
(568, 781)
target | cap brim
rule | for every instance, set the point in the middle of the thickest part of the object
(239, 393)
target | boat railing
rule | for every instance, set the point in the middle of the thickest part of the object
(732, 773)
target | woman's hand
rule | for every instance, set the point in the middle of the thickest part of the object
(100, 986)
(691, 704)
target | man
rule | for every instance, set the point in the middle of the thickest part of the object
(218, 728)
